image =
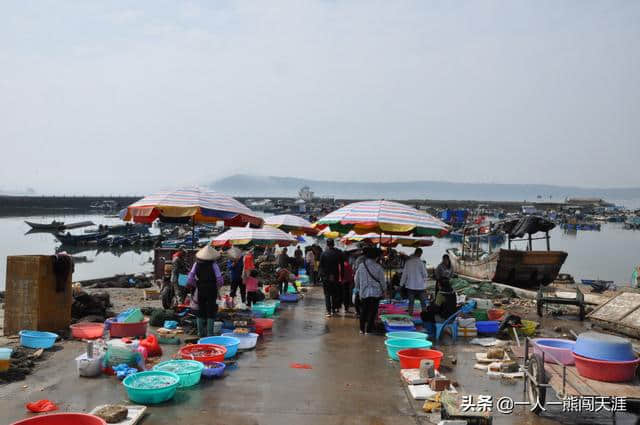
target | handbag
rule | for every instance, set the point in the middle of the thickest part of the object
(373, 277)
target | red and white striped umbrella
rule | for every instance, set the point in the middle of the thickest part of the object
(200, 205)
(292, 224)
(382, 216)
(246, 235)
(388, 240)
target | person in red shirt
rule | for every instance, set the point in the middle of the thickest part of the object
(347, 283)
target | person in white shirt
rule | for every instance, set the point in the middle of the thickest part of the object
(414, 278)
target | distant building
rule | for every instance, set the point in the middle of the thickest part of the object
(529, 209)
(305, 194)
(588, 201)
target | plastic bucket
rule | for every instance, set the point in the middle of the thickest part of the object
(89, 367)
(5, 358)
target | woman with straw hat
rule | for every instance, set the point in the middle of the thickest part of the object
(206, 277)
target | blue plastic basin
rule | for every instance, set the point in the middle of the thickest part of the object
(229, 342)
(488, 327)
(397, 344)
(406, 335)
(148, 393)
(37, 339)
(598, 346)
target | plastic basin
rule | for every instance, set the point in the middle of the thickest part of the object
(395, 345)
(213, 369)
(606, 371)
(555, 350)
(289, 298)
(406, 335)
(203, 352)
(394, 317)
(399, 328)
(121, 330)
(229, 342)
(263, 324)
(151, 387)
(488, 327)
(37, 339)
(87, 330)
(598, 346)
(410, 358)
(495, 314)
(62, 419)
(189, 371)
(5, 358)
(266, 310)
(247, 341)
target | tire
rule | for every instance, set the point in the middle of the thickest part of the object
(535, 393)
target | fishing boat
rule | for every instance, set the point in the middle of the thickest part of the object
(54, 225)
(69, 239)
(527, 269)
(599, 285)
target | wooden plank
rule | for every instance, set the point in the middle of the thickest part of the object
(618, 307)
(577, 385)
(555, 380)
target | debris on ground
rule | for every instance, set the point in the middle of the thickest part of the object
(112, 414)
(90, 306)
(41, 406)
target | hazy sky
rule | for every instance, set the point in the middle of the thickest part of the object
(128, 97)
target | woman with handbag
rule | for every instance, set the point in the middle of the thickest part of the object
(370, 285)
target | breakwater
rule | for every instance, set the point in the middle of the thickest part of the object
(41, 205)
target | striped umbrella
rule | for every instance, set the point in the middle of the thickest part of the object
(193, 204)
(247, 235)
(292, 224)
(380, 217)
(388, 240)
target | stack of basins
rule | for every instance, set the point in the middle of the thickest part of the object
(605, 357)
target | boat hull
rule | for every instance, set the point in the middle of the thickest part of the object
(522, 269)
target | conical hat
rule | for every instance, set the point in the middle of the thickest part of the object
(234, 253)
(208, 253)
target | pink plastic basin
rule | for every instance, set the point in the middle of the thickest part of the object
(62, 419)
(555, 350)
(87, 330)
(121, 330)
(602, 370)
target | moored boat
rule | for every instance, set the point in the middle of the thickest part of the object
(54, 225)
(521, 268)
(69, 239)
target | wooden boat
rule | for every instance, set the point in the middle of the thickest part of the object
(69, 239)
(54, 225)
(521, 268)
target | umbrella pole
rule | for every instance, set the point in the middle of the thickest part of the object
(193, 232)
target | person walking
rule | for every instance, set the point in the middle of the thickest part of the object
(284, 262)
(347, 284)
(414, 278)
(310, 264)
(370, 285)
(237, 275)
(330, 272)
(205, 276)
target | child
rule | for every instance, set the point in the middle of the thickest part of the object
(252, 287)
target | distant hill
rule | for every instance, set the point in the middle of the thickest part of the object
(246, 185)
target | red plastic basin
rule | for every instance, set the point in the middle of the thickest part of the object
(495, 314)
(121, 330)
(411, 357)
(203, 352)
(62, 419)
(602, 370)
(87, 330)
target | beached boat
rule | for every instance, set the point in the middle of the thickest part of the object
(521, 268)
(54, 225)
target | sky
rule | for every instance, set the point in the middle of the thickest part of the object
(128, 97)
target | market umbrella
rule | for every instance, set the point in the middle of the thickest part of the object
(292, 224)
(388, 240)
(382, 217)
(247, 235)
(195, 205)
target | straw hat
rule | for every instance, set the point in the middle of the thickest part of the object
(208, 253)
(234, 253)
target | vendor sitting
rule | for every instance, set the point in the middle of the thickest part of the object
(444, 304)
(283, 277)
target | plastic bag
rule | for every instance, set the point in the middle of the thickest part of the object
(152, 346)
(41, 406)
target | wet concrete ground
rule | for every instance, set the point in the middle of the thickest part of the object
(352, 382)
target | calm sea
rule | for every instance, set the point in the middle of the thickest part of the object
(609, 254)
